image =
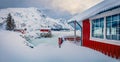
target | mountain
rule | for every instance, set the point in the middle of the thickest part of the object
(30, 18)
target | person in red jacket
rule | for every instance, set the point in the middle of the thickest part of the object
(60, 42)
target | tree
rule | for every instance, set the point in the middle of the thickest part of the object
(10, 24)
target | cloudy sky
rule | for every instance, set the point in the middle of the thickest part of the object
(53, 8)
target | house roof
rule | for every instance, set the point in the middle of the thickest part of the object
(99, 8)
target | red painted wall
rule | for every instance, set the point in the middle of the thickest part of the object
(107, 49)
(86, 32)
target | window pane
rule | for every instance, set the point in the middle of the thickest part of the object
(114, 33)
(115, 17)
(119, 32)
(119, 16)
(118, 28)
(119, 37)
(112, 27)
(108, 32)
(97, 28)
(108, 27)
(108, 19)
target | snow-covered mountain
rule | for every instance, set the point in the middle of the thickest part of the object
(30, 18)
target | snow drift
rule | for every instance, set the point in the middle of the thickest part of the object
(13, 49)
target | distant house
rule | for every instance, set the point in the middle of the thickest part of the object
(45, 32)
(101, 28)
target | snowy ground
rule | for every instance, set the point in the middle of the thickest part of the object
(13, 49)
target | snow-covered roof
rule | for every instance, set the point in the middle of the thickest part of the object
(106, 4)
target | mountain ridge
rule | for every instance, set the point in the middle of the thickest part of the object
(32, 18)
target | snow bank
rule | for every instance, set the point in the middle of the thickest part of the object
(71, 53)
(13, 49)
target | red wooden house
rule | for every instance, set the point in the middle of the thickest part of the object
(45, 32)
(101, 28)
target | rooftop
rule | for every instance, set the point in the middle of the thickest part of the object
(104, 6)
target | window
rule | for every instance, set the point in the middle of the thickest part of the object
(98, 28)
(113, 27)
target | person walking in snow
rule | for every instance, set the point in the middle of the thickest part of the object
(60, 42)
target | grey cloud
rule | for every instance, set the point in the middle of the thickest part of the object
(55, 8)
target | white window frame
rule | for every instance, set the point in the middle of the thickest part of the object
(104, 15)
